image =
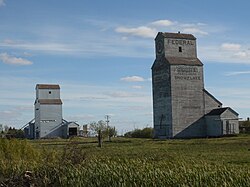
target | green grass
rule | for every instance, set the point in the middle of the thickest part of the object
(126, 162)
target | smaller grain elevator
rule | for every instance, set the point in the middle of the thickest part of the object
(48, 121)
(48, 111)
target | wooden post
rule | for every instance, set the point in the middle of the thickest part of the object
(99, 138)
(109, 134)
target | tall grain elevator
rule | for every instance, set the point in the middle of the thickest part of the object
(180, 102)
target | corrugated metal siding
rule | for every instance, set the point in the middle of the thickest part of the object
(48, 94)
(50, 120)
(48, 111)
(50, 101)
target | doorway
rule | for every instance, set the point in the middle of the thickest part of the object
(73, 131)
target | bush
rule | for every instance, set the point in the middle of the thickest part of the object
(15, 133)
(140, 133)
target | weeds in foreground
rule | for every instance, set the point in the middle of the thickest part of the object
(24, 165)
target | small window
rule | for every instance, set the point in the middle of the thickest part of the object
(180, 49)
(49, 92)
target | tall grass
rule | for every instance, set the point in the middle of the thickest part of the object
(76, 165)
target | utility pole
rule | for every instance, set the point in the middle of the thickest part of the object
(107, 121)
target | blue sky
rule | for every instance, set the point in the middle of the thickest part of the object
(101, 52)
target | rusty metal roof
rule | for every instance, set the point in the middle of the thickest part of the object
(184, 61)
(177, 35)
(47, 86)
(50, 101)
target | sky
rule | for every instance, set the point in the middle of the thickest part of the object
(101, 53)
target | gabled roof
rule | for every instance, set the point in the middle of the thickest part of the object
(70, 123)
(211, 96)
(219, 111)
(176, 35)
(50, 101)
(47, 86)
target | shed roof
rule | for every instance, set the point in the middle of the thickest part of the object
(177, 61)
(211, 96)
(47, 86)
(184, 61)
(219, 111)
(176, 35)
(50, 101)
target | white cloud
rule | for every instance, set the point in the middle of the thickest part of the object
(108, 44)
(194, 30)
(106, 95)
(201, 24)
(81, 103)
(124, 38)
(9, 41)
(27, 54)
(133, 79)
(2, 3)
(227, 52)
(143, 31)
(230, 46)
(9, 114)
(186, 25)
(236, 97)
(37, 46)
(105, 46)
(216, 54)
(8, 59)
(149, 30)
(81, 117)
(121, 94)
(241, 54)
(237, 73)
(137, 87)
(91, 98)
(163, 23)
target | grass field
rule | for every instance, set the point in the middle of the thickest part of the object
(126, 162)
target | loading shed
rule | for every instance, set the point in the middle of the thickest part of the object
(221, 122)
